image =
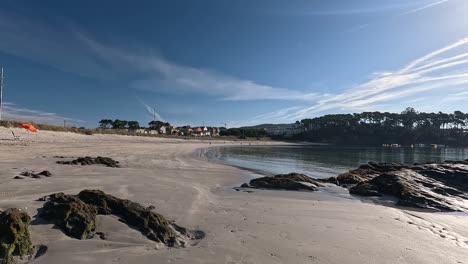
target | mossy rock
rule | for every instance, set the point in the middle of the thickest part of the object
(154, 226)
(92, 161)
(15, 235)
(76, 218)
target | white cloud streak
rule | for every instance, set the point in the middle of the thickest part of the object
(422, 76)
(425, 7)
(277, 116)
(11, 111)
(439, 75)
(412, 11)
(163, 76)
(152, 112)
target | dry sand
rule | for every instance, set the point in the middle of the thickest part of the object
(241, 227)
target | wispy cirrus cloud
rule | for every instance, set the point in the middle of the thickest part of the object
(425, 7)
(163, 76)
(54, 46)
(343, 9)
(437, 78)
(11, 111)
(430, 73)
(278, 116)
(418, 8)
(58, 46)
(152, 112)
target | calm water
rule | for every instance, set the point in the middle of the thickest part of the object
(324, 161)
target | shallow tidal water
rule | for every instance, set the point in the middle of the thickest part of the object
(323, 161)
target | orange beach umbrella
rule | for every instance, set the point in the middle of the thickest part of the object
(29, 127)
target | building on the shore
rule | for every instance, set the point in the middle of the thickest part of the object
(215, 131)
(140, 131)
(147, 131)
(163, 130)
(201, 131)
(185, 131)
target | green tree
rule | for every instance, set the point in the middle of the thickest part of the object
(408, 127)
(105, 123)
(156, 124)
(133, 125)
(119, 124)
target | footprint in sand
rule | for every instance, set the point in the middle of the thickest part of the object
(285, 235)
(7, 194)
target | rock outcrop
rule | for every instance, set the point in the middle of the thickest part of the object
(92, 161)
(292, 181)
(76, 216)
(31, 174)
(15, 235)
(440, 186)
(154, 226)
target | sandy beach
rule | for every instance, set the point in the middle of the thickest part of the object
(241, 227)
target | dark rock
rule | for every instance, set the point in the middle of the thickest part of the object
(76, 218)
(101, 235)
(36, 175)
(42, 199)
(26, 173)
(18, 177)
(92, 161)
(355, 176)
(15, 235)
(292, 181)
(440, 186)
(332, 180)
(154, 226)
(40, 251)
(45, 173)
(365, 189)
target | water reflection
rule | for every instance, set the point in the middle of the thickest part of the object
(325, 161)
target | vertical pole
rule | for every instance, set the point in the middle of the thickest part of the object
(1, 92)
(154, 118)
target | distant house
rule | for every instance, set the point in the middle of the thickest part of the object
(175, 131)
(215, 131)
(201, 131)
(163, 130)
(185, 130)
(144, 131)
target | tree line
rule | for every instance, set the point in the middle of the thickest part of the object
(124, 124)
(243, 132)
(407, 127)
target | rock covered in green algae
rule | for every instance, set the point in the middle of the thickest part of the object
(108, 162)
(76, 218)
(15, 235)
(154, 226)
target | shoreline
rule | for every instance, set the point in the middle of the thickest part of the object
(259, 227)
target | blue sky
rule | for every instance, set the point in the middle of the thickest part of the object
(236, 62)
